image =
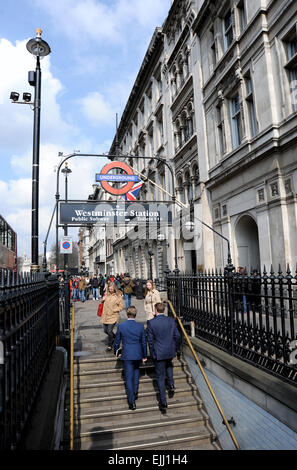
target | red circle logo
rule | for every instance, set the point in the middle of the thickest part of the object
(121, 166)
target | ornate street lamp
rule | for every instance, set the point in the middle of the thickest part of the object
(39, 48)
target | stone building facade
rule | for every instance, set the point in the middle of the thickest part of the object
(246, 55)
(215, 97)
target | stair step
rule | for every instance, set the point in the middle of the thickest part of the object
(161, 437)
(102, 379)
(146, 386)
(143, 396)
(142, 421)
(119, 413)
(104, 373)
(110, 362)
(142, 426)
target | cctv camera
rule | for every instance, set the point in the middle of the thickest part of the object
(14, 96)
(27, 97)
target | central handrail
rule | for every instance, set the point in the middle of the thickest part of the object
(205, 377)
(72, 379)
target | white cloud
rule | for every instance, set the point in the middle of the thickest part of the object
(96, 109)
(94, 20)
(15, 63)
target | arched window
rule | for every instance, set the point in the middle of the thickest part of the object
(189, 188)
(180, 189)
(181, 79)
(186, 62)
(178, 134)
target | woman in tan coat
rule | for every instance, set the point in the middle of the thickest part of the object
(152, 296)
(113, 304)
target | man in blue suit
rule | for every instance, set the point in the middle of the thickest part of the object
(132, 336)
(164, 340)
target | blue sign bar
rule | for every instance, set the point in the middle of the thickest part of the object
(117, 178)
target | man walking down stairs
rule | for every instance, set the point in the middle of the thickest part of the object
(102, 418)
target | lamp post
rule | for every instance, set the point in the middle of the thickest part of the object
(39, 49)
(66, 172)
(151, 254)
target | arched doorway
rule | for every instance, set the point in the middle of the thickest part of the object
(247, 243)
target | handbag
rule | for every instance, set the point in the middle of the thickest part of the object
(100, 309)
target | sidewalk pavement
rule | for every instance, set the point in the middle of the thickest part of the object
(90, 338)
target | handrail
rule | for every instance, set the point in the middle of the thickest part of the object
(205, 377)
(72, 379)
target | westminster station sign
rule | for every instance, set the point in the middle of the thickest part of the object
(117, 213)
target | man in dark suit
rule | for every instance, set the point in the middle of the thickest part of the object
(132, 336)
(164, 340)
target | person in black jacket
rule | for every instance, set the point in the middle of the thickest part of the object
(164, 341)
(95, 287)
(101, 285)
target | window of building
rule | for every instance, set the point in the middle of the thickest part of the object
(242, 15)
(181, 79)
(251, 106)
(141, 115)
(221, 130)
(186, 63)
(291, 66)
(178, 135)
(189, 188)
(149, 102)
(159, 89)
(261, 195)
(213, 50)
(151, 149)
(160, 129)
(274, 189)
(236, 126)
(227, 30)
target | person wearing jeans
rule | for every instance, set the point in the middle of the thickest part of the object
(82, 288)
(127, 286)
(95, 287)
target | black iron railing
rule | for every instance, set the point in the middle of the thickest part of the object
(253, 317)
(29, 325)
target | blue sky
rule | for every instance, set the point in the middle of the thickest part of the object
(97, 49)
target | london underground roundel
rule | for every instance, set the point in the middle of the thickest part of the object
(105, 178)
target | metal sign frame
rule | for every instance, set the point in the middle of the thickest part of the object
(110, 157)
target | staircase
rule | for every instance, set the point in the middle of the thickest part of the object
(103, 420)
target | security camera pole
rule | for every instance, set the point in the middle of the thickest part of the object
(38, 48)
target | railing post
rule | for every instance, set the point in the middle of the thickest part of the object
(67, 306)
(229, 276)
(167, 282)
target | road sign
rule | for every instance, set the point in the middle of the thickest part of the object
(66, 245)
(105, 178)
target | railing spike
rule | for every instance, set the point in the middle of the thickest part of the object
(264, 270)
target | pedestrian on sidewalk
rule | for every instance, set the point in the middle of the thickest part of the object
(164, 341)
(132, 336)
(127, 286)
(113, 305)
(95, 287)
(152, 297)
(101, 285)
(87, 292)
(75, 289)
(82, 287)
